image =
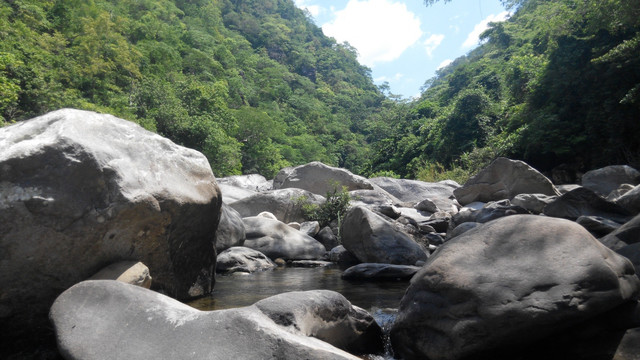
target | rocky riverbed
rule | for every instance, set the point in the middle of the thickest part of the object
(506, 266)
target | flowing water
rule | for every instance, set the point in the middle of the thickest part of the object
(381, 299)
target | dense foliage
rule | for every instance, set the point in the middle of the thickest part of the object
(556, 84)
(253, 84)
(256, 86)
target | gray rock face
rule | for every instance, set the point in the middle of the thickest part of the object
(105, 320)
(630, 200)
(609, 178)
(584, 202)
(310, 228)
(534, 203)
(278, 240)
(373, 239)
(327, 238)
(230, 230)
(380, 272)
(231, 194)
(375, 197)
(597, 225)
(507, 282)
(342, 256)
(319, 178)
(461, 229)
(79, 190)
(285, 204)
(632, 252)
(243, 259)
(414, 191)
(253, 182)
(130, 272)
(504, 179)
(627, 234)
(629, 348)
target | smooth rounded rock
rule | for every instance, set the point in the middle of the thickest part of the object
(320, 179)
(231, 230)
(243, 259)
(607, 179)
(380, 272)
(511, 281)
(130, 272)
(277, 240)
(285, 204)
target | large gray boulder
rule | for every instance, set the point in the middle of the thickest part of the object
(380, 272)
(584, 202)
(231, 230)
(285, 204)
(319, 178)
(80, 190)
(503, 179)
(373, 239)
(231, 194)
(278, 240)
(413, 192)
(243, 259)
(630, 200)
(130, 272)
(535, 203)
(511, 281)
(105, 320)
(627, 234)
(603, 181)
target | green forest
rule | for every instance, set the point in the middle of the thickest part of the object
(256, 86)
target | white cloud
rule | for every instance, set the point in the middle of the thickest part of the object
(381, 30)
(314, 10)
(474, 36)
(432, 43)
(444, 64)
(384, 78)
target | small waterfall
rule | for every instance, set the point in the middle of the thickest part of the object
(385, 318)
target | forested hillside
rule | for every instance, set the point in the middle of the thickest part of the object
(254, 85)
(556, 85)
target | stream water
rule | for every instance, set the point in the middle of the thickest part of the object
(381, 299)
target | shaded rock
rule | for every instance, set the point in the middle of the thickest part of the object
(435, 239)
(130, 272)
(243, 259)
(414, 191)
(285, 204)
(534, 203)
(597, 225)
(632, 252)
(277, 240)
(414, 214)
(342, 256)
(135, 323)
(267, 215)
(230, 230)
(79, 190)
(373, 239)
(629, 348)
(391, 212)
(319, 178)
(607, 179)
(621, 190)
(311, 228)
(498, 209)
(310, 263)
(508, 282)
(630, 200)
(585, 202)
(380, 272)
(504, 179)
(294, 225)
(232, 194)
(427, 205)
(253, 182)
(627, 234)
(563, 189)
(461, 229)
(327, 238)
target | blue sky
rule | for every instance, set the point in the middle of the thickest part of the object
(404, 42)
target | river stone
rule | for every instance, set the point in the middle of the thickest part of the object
(285, 204)
(375, 197)
(243, 259)
(607, 179)
(629, 348)
(371, 238)
(498, 209)
(630, 200)
(597, 225)
(253, 182)
(79, 190)
(621, 190)
(277, 240)
(310, 263)
(342, 256)
(461, 229)
(632, 252)
(311, 228)
(585, 202)
(534, 203)
(230, 230)
(320, 179)
(413, 192)
(514, 280)
(504, 179)
(327, 238)
(380, 272)
(627, 234)
(231, 194)
(108, 320)
(130, 272)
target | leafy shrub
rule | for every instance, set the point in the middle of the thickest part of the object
(334, 208)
